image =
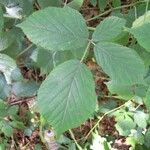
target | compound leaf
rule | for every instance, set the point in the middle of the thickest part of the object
(69, 88)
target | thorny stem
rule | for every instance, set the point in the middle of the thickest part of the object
(116, 8)
(100, 119)
(72, 136)
(85, 52)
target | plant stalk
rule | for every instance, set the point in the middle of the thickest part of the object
(100, 119)
(85, 52)
(25, 50)
(116, 8)
(146, 9)
(72, 136)
(91, 28)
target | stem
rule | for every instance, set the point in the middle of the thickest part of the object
(85, 52)
(53, 56)
(41, 132)
(25, 50)
(37, 6)
(110, 10)
(146, 9)
(65, 3)
(72, 136)
(135, 12)
(91, 29)
(100, 119)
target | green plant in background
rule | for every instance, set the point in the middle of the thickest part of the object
(61, 41)
(9, 120)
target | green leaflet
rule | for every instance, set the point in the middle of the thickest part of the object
(25, 89)
(47, 60)
(56, 29)
(6, 129)
(136, 138)
(47, 3)
(125, 92)
(145, 55)
(67, 97)
(102, 4)
(5, 89)
(14, 49)
(141, 30)
(124, 125)
(93, 2)
(147, 137)
(144, 19)
(122, 64)
(143, 117)
(76, 4)
(7, 66)
(6, 40)
(142, 34)
(109, 29)
(116, 3)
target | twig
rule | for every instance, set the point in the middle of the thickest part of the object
(37, 6)
(100, 119)
(12, 143)
(72, 136)
(19, 101)
(116, 8)
(65, 3)
(25, 50)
